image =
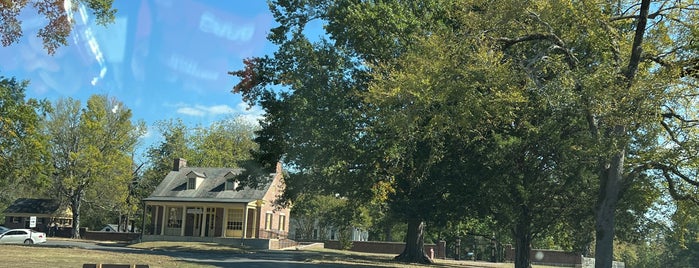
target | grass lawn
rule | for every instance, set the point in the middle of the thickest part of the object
(331, 256)
(40, 256)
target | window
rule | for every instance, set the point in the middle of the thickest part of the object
(15, 219)
(174, 218)
(282, 222)
(192, 183)
(235, 219)
(268, 221)
(231, 185)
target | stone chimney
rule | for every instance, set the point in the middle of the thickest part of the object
(179, 163)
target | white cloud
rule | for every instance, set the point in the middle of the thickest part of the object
(190, 111)
(218, 109)
(250, 114)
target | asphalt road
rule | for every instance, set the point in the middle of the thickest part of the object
(261, 259)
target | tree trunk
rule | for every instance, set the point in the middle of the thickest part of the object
(75, 201)
(523, 240)
(387, 230)
(414, 251)
(610, 189)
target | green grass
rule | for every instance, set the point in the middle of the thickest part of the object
(331, 256)
(40, 256)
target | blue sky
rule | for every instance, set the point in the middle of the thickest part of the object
(164, 59)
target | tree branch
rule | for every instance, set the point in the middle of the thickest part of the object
(636, 48)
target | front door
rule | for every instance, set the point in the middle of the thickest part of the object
(210, 222)
(251, 224)
(196, 221)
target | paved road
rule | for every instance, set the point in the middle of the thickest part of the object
(261, 259)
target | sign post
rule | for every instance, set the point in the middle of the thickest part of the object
(32, 224)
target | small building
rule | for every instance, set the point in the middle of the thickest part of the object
(47, 212)
(204, 204)
(112, 227)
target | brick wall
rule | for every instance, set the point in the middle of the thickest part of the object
(109, 236)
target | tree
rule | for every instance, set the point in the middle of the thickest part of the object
(633, 73)
(91, 152)
(629, 79)
(22, 145)
(59, 15)
(319, 124)
(225, 143)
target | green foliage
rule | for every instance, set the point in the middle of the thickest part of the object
(91, 151)
(325, 213)
(59, 15)
(538, 106)
(223, 144)
(642, 255)
(683, 240)
(23, 146)
(226, 143)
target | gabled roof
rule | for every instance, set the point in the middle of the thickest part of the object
(34, 206)
(196, 174)
(212, 188)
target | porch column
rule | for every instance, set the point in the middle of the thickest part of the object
(258, 216)
(162, 221)
(245, 221)
(224, 222)
(254, 223)
(204, 215)
(184, 215)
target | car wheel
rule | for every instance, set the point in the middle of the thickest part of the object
(28, 242)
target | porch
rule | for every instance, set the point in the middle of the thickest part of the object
(204, 220)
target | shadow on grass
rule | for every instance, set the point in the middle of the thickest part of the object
(219, 255)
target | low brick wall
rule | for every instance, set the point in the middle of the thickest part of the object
(254, 243)
(387, 247)
(110, 236)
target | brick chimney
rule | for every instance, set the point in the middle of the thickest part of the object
(179, 163)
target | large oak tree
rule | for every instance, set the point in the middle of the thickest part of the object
(91, 152)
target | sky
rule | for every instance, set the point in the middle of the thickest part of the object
(164, 59)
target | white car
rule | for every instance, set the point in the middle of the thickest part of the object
(19, 236)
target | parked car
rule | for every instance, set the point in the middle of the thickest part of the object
(19, 236)
(3, 229)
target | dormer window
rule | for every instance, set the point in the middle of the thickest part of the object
(194, 179)
(231, 181)
(192, 183)
(231, 185)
